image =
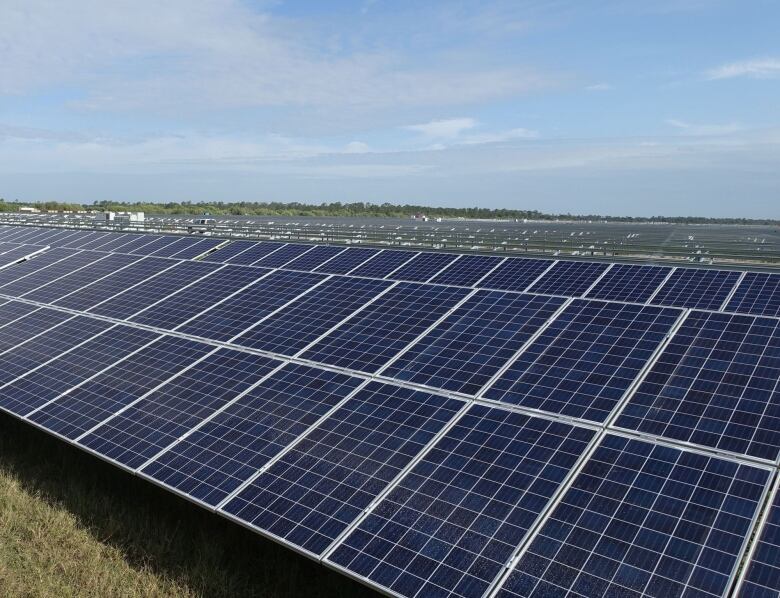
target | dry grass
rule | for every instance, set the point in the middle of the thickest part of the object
(71, 525)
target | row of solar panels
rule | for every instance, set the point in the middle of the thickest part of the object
(419, 493)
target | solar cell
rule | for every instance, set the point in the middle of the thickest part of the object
(46, 383)
(155, 421)
(38, 262)
(24, 328)
(215, 459)
(702, 289)
(135, 242)
(643, 520)
(383, 263)
(468, 270)
(193, 249)
(85, 406)
(112, 242)
(175, 247)
(85, 238)
(253, 254)
(325, 481)
(317, 256)
(467, 348)
(373, 336)
(191, 300)
(716, 385)
(13, 310)
(12, 256)
(306, 319)
(230, 251)
(628, 282)
(586, 359)
(570, 279)
(515, 274)
(451, 524)
(231, 317)
(150, 248)
(762, 572)
(348, 260)
(757, 294)
(283, 255)
(423, 266)
(39, 274)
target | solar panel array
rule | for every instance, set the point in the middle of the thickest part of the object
(431, 424)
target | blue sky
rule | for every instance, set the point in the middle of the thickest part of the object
(592, 106)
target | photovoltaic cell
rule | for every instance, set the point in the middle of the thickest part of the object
(40, 261)
(583, 363)
(762, 575)
(13, 310)
(372, 337)
(643, 520)
(464, 351)
(382, 264)
(716, 385)
(136, 242)
(229, 251)
(76, 412)
(217, 458)
(25, 394)
(423, 266)
(28, 326)
(570, 279)
(283, 255)
(38, 274)
(195, 249)
(454, 521)
(703, 289)
(303, 321)
(321, 485)
(111, 242)
(757, 294)
(17, 254)
(87, 238)
(236, 314)
(311, 259)
(155, 245)
(467, 270)
(627, 282)
(348, 260)
(175, 247)
(515, 274)
(253, 254)
(138, 433)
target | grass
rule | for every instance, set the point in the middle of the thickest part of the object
(72, 525)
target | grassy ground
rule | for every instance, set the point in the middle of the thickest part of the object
(71, 525)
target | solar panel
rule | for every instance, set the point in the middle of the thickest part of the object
(464, 351)
(211, 462)
(26, 327)
(111, 242)
(582, 364)
(627, 282)
(230, 251)
(453, 522)
(306, 319)
(85, 238)
(715, 385)
(643, 520)
(515, 274)
(194, 249)
(325, 481)
(422, 267)
(13, 310)
(570, 279)
(467, 271)
(190, 301)
(383, 263)
(702, 289)
(46, 383)
(317, 256)
(231, 317)
(762, 572)
(757, 294)
(27, 276)
(253, 254)
(373, 336)
(135, 242)
(283, 255)
(115, 283)
(175, 247)
(154, 422)
(85, 406)
(17, 254)
(150, 248)
(348, 260)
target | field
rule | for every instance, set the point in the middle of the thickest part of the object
(74, 526)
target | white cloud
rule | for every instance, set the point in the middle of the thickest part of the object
(757, 68)
(356, 147)
(704, 129)
(443, 129)
(599, 87)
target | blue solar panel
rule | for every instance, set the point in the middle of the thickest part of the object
(131, 301)
(230, 251)
(48, 382)
(348, 260)
(317, 256)
(253, 254)
(302, 322)
(627, 282)
(111, 242)
(584, 362)
(515, 274)
(762, 573)
(372, 337)
(321, 485)
(136, 242)
(453, 522)
(467, 270)
(464, 351)
(715, 384)
(77, 411)
(703, 289)
(190, 301)
(217, 458)
(383, 263)
(17, 254)
(14, 310)
(423, 266)
(83, 239)
(153, 423)
(231, 317)
(150, 248)
(757, 294)
(26, 327)
(643, 520)
(283, 255)
(105, 288)
(570, 279)
(175, 247)
(25, 277)
(195, 249)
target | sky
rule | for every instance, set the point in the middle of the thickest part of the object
(621, 107)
